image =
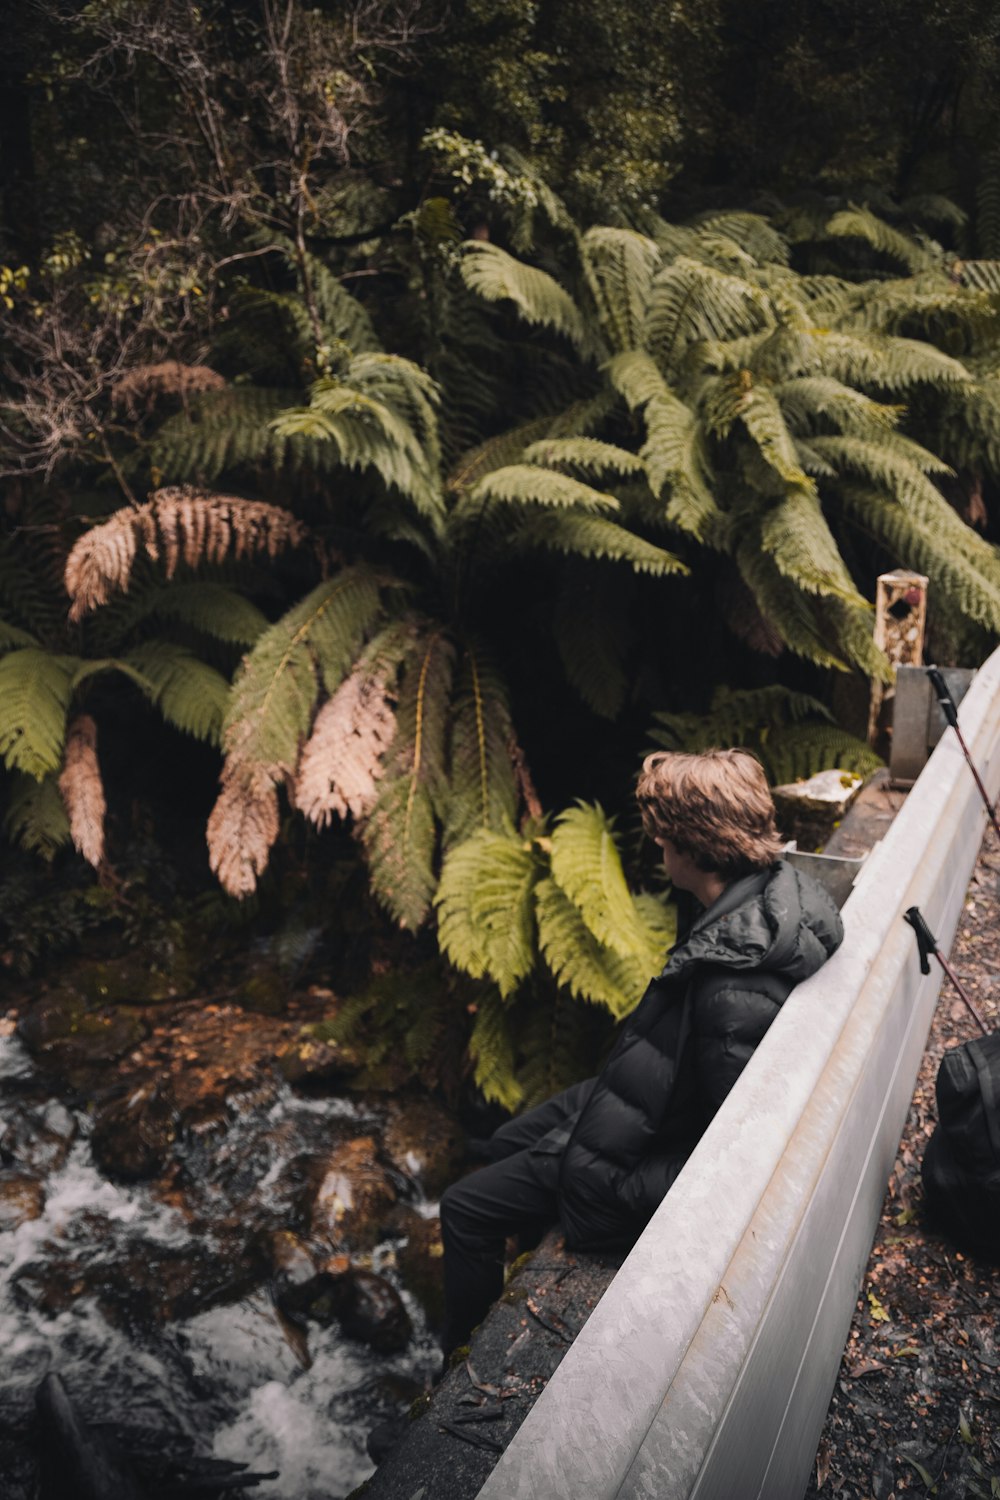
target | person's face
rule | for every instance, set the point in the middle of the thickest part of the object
(681, 868)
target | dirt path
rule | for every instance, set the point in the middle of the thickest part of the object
(916, 1407)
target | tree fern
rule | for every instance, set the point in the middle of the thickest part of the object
(481, 779)
(213, 609)
(528, 484)
(191, 695)
(314, 644)
(491, 1048)
(579, 961)
(401, 834)
(596, 537)
(791, 733)
(587, 868)
(486, 907)
(587, 454)
(860, 223)
(497, 277)
(35, 818)
(619, 266)
(35, 692)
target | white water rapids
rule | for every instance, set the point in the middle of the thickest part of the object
(227, 1377)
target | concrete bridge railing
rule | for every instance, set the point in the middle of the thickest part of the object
(706, 1370)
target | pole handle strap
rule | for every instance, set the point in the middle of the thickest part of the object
(926, 941)
(943, 695)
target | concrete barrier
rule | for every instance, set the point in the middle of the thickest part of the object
(706, 1370)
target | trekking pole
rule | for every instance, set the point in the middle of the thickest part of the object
(927, 944)
(950, 712)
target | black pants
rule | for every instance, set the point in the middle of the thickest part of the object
(514, 1194)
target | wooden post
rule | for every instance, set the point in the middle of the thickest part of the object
(900, 626)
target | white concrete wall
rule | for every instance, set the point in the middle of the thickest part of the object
(707, 1368)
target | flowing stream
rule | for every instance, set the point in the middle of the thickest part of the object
(227, 1377)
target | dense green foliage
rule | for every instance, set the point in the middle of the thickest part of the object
(428, 408)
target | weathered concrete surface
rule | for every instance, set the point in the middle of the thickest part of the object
(450, 1446)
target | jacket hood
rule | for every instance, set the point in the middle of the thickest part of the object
(777, 919)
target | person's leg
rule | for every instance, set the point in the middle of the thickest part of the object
(477, 1215)
(527, 1129)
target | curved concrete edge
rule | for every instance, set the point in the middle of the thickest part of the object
(707, 1367)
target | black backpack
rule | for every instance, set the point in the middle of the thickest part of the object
(961, 1166)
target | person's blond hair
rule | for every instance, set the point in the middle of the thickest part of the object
(715, 807)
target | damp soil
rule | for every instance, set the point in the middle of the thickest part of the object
(916, 1406)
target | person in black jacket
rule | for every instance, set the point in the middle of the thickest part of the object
(600, 1157)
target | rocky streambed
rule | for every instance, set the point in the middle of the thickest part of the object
(207, 1236)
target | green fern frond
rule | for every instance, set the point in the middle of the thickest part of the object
(587, 867)
(274, 693)
(486, 908)
(482, 791)
(588, 968)
(917, 545)
(806, 398)
(674, 452)
(527, 484)
(218, 431)
(619, 266)
(795, 533)
(491, 273)
(210, 608)
(35, 692)
(593, 536)
(36, 817)
(738, 716)
(491, 1048)
(754, 234)
(588, 454)
(791, 733)
(689, 302)
(497, 452)
(761, 415)
(366, 432)
(801, 750)
(191, 695)
(400, 837)
(861, 224)
(896, 364)
(793, 614)
(896, 463)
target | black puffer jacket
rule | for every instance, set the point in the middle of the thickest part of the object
(684, 1047)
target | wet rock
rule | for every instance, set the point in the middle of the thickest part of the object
(371, 1310)
(354, 1196)
(420, 1263)
(21, 1198)
(422, 1140)
(307, 1060)
(132, 1137)
(294, 1273)
(39, 1139)
(144, 1288)
(69, 1038)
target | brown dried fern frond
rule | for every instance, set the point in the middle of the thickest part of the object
(82, 790)
(141, 387)
(178, 523)
(342, 759)
(242, 826)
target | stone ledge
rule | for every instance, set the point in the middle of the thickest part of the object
(451, 1446)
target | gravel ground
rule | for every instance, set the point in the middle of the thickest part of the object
(916, 1407)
